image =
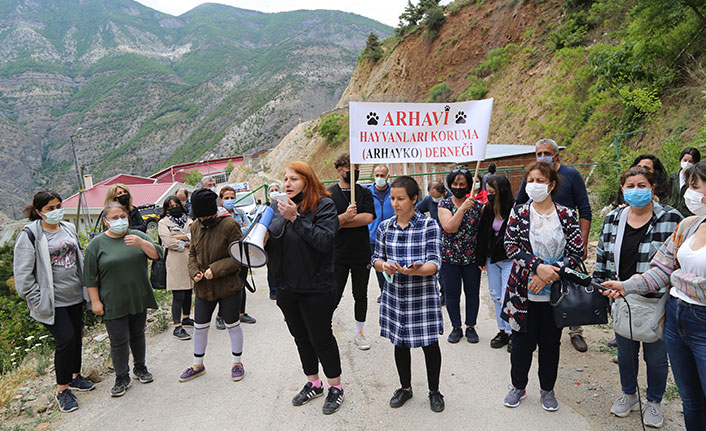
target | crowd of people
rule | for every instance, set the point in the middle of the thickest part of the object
(651, 258)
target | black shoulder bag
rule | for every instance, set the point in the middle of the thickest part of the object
(576, 300)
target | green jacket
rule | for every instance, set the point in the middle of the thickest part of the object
(676, 198)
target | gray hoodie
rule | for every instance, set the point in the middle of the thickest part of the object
(33, 272)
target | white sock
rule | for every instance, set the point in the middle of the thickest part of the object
(198, 361)
(236, 358)
(359, 326)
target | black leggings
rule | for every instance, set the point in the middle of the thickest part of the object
(542, 332)
(360, 274)
(308, 318)
(181, 304)
(68, 332)
(228, 309)
(127, 334)
(432, 357)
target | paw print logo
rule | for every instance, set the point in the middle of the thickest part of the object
(372, 119)
(447, 108)
(461, 117)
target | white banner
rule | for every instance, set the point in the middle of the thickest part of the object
(419, 132)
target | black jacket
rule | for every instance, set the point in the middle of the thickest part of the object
(300, 253)
(489, 245)
(136, 220)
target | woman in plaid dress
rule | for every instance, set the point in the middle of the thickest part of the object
(408, 253)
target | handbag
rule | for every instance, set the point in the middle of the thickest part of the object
(158, 273)
(643, 311)
(577, 305)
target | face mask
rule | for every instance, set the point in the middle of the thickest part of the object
(637, 198)
(208, 222)
(692, 199)
(298, 198)
(686, 165)
(229, 204)
(459, 192)
(437, 200)
(123, 200)
(537, 192)
(118, 226)
(184, 203)
(380, 182)
(347, 176)
(548, 159)
(491, 198)
(176, 212)
(477, 186)
(54, 216)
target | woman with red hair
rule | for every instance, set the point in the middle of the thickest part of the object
(300, 253)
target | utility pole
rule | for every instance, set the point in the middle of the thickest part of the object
(81, 197)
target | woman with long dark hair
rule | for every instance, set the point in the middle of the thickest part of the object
(48, 270)
(491, 249)
(302, 235)
(175, 235)
(651, 164)
(459, 216)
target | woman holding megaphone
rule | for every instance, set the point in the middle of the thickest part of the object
(300, 245)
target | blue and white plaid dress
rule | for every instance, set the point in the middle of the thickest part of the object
(410, 308)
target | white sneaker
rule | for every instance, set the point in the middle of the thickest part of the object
(362, 342)
(652, 415)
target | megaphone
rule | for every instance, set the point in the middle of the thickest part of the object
(250, 251)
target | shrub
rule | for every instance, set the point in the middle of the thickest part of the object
(439, 93)
(475, 91)
(572, 32)
(333, 128)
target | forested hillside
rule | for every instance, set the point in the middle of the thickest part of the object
(150, 89)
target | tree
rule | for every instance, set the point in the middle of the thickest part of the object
(373, 48)
(229, 168)
(434, 18)
(412, 14)
(192, 177)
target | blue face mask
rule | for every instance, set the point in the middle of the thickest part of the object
(637, 198)
(229, 204)
(548, 159)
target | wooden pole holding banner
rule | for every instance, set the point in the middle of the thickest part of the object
(475, 176)
(352, 184)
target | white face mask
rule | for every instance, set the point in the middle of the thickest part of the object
(118, 226)
(477, 186)
(537, 192)
(55, 216)
(692, 199)
(380, 182)
(686, 165)
(437, 200)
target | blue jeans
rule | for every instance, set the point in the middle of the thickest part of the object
(685, 337)
(498, 274)
(451, 278)
(655, 355)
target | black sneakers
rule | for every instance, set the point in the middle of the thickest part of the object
(181, 334)
(308, 393)
(142, 374)
(246, 318)
(500, 340)
(220, 324)
(186, 321)
(67, 401)
(333, 402)
(121, 386)
(472, 335)
(455, 335)
(436, 401)
(81, 384)
(400, 397)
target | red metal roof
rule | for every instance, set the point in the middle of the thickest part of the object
(126, 179)
(141, 194)
(174, 173)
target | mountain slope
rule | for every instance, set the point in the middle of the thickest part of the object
(150, 89)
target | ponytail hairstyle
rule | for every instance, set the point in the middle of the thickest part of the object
(40, 200)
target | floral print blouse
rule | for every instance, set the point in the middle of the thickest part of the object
(459, 248)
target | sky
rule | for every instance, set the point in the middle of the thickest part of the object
(385, 11)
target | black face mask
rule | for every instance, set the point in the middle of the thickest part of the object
(491, 198)
(208, 222)
(459, 192)
(347, 177)
(298, 198)
(176, 212)
(123, 200)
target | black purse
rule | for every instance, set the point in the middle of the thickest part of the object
(158, 273)
(576, 300)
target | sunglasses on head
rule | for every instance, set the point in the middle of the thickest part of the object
(460, 171)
